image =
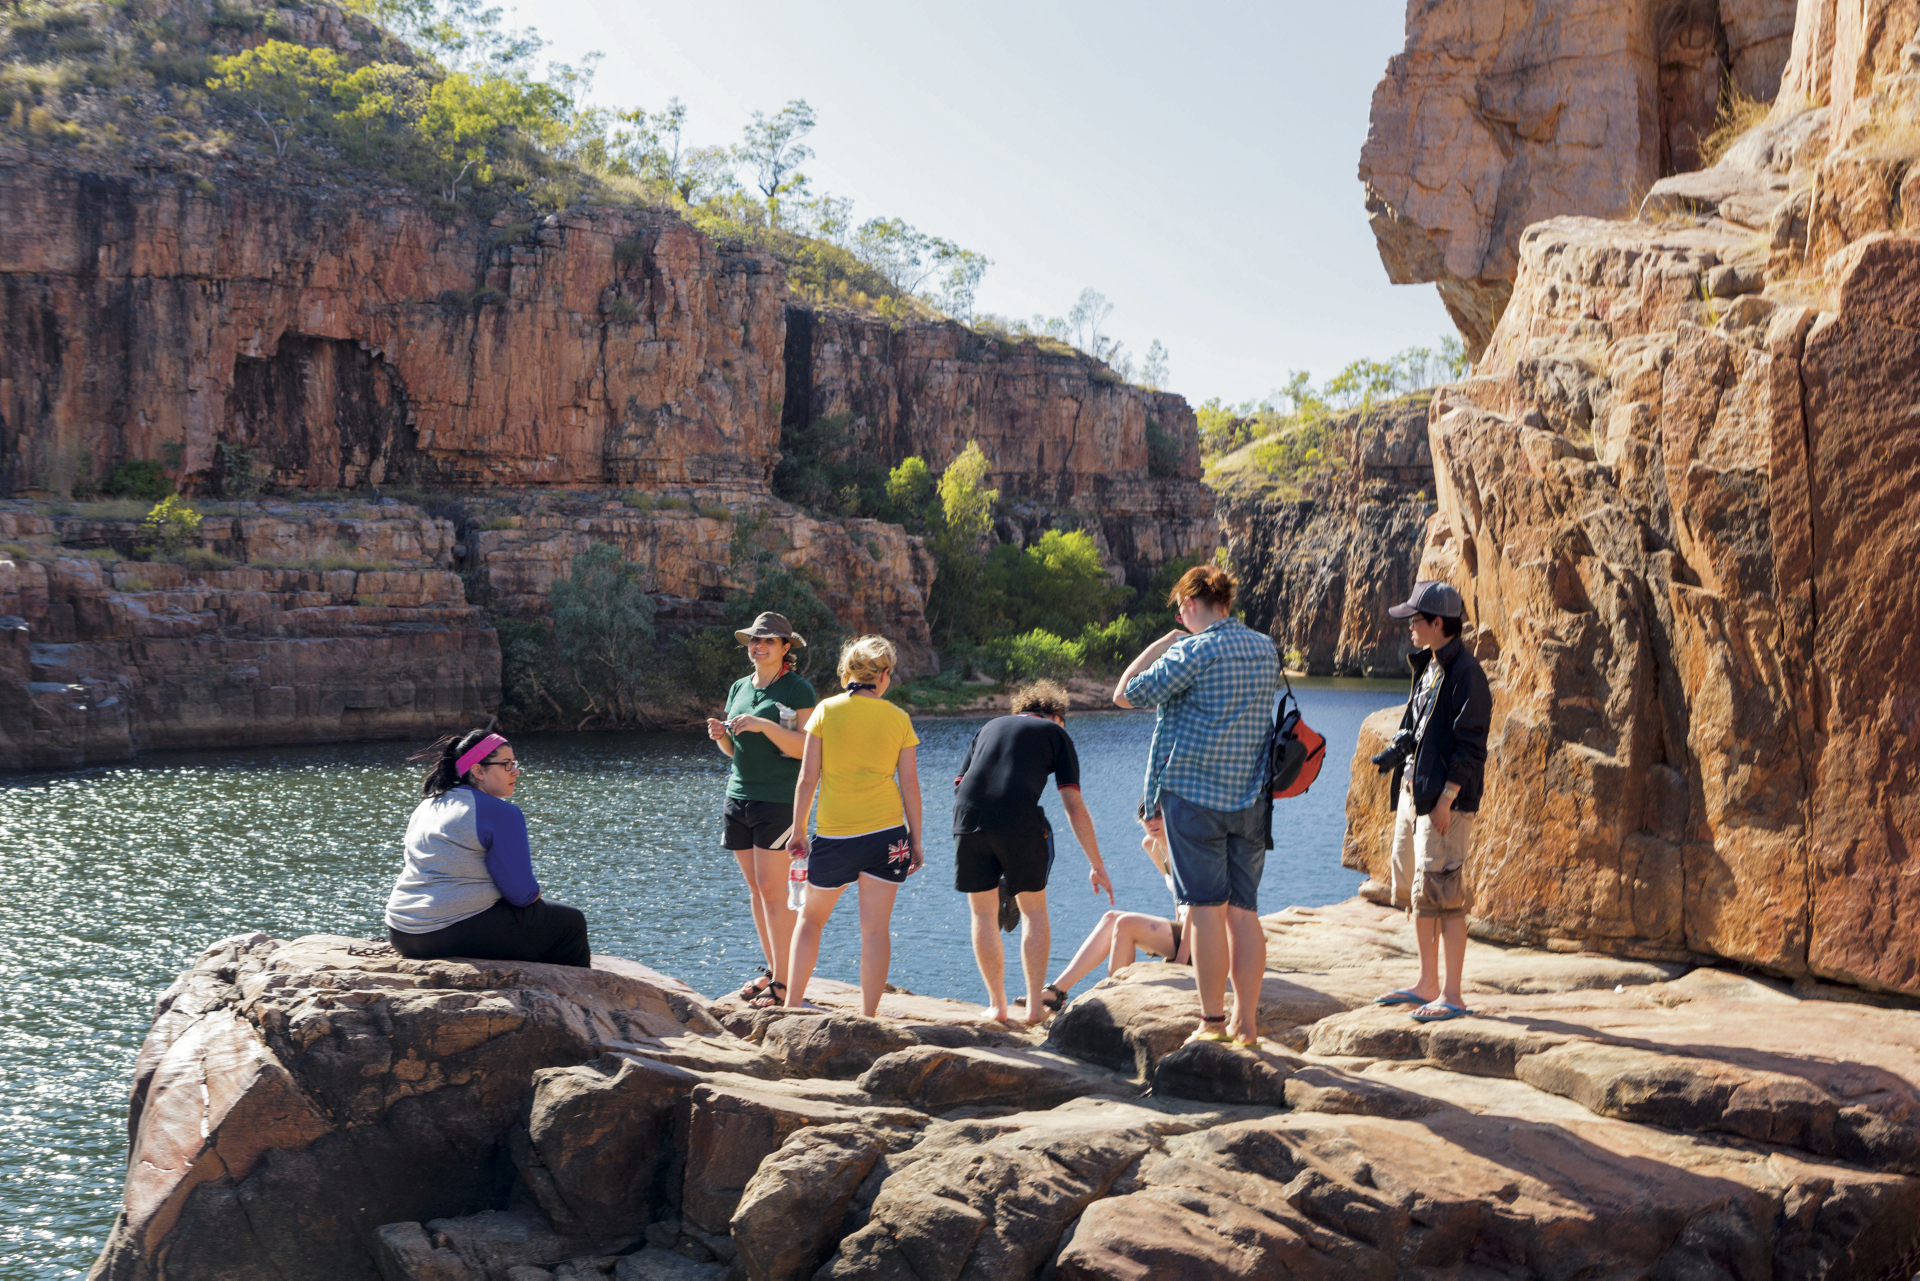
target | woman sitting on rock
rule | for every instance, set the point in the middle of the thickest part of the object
(763, 733)
(1117, 935)
(869, 827)
(468, 888)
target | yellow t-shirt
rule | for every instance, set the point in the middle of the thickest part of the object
(860, 744)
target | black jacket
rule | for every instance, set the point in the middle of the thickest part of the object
(1454, 749)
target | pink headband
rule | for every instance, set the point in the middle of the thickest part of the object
(475, 754)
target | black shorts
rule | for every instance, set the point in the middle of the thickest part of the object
(982, 858)
(833, 861)
(755, 825)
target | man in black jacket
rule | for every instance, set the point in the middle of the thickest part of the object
(1447, 716)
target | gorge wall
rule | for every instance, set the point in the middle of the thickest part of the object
(1067, 438)
(602, 374)
(1678, 496)
(1319, 572)
(1496, 116)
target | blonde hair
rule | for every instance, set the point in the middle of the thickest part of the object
(864, 657)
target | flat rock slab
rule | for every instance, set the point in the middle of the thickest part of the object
(934, 1078)
(1338, 1196)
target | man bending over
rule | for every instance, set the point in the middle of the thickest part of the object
(1002, 833)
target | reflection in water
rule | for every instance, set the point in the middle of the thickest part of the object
(116, 878)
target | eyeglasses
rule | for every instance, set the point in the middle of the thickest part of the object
(506, 764)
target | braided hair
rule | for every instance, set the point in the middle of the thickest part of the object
(444, 755)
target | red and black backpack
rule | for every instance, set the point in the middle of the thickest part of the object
(1295, 752)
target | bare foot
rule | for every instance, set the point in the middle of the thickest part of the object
(1045, 1014)
(998, 1013)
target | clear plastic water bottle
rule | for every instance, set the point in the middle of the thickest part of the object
(797, 883)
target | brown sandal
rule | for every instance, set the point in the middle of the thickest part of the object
(754, 987)
(767, 1000)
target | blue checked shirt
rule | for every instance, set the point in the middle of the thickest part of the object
(1214, 692)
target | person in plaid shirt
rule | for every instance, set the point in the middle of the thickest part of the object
(1213, 682)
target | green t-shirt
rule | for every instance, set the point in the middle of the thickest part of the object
(761, 771)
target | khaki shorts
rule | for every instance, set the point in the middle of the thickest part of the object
(1430, 870)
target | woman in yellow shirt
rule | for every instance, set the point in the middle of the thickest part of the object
(868, 828)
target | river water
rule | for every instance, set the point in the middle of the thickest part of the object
(114, 879)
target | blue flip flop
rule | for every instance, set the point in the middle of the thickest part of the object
(1400, 997)
(1446, 1012)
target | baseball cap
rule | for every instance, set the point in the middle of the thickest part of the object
(1430, 597)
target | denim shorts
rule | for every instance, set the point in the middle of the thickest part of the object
(1218, 856)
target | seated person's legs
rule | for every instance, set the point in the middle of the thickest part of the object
(551, 933)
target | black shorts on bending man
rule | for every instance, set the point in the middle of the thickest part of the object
(1002, 833)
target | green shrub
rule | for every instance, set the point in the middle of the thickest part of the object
(673, 503)
(535, 691)
(1164, 452)
(168, 526)
(138, 478)
(716, 513)
(637, 500)
(1109, 647)
(1058, 583)
(623, 310)
(493, 523)
(1039, 654)
(603, 626)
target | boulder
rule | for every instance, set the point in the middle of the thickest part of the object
(837, 1045)
(732, 1130)
(292, 1098)
(493, 1245)
(605, 1142)
(1213, 1072)
(985, 1206)
(788, 1220)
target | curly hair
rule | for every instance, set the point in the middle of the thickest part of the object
(1042, 698)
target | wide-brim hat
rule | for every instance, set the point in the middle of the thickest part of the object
(774, 626)
(1431, 597)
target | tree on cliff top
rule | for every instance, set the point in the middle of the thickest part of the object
(772, 148)
(280, 83)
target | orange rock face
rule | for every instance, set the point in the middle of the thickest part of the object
(112, 655)
(1496, 116)
(1062, 432)
(1686, 531)
(347, 341)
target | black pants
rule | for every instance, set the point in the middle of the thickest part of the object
(541, 931)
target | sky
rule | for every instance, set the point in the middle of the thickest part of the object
(1195, 164)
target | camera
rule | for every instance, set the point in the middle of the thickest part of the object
(1394, 754)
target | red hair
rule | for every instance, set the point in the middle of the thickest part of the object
(1208, 584)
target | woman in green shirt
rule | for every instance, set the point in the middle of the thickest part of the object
(763, 731)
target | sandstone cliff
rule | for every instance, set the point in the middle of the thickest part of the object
(1318, 572)
(106, 655)
(1065, 435)
(302, 1112)
(1496, 116)
(1677, 499)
